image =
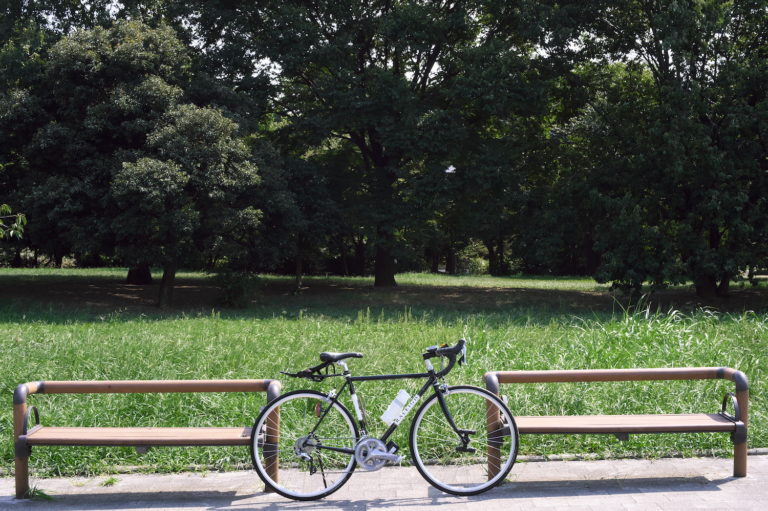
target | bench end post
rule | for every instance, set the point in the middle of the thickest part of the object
(273, 433)
(21, 456)
(492, 382)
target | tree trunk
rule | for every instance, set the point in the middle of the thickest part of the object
(360, 256)
(724, 287)
(344, 262)
(299, 274)
(384, 268)
(139, 275)
(166, 285)
(450, 262)
(706, 286)
(17, 260)
(501, 265)
(434, 261)
(492, 263)
(299, 270)
(58, 257)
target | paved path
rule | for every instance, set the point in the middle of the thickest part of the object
(668, 484)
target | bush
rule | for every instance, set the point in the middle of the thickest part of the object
(236, 288)
(472, 259)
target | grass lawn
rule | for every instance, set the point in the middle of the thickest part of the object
(86, 324)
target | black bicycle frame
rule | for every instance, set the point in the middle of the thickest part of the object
(433, 380)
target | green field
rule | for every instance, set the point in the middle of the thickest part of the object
(511, 323)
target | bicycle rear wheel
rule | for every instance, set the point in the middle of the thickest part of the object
(443, 459)
(291, 441)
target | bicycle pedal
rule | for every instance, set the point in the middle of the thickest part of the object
(385, 456)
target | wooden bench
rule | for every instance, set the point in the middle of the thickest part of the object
(27, 435)
(624, 425)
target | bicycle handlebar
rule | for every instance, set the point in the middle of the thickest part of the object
(450, 352)
(445, 351)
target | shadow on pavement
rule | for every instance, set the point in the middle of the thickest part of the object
(231, 500)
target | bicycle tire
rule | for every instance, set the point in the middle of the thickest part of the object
(299, 412)
(438, 453)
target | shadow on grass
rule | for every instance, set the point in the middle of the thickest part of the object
(84, 298)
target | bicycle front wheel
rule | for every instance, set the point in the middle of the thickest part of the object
(464, 466)
(302, 446)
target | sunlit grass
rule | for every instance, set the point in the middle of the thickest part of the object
(479, 281)
(57, 274)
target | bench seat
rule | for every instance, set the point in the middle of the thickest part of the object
(624, 425)
(672, 423)
(138, 437)
(28, 432)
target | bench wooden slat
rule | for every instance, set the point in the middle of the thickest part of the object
(672, 423)
(139, 436)
(152, 386)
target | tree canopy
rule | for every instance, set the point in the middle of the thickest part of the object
(623, 141)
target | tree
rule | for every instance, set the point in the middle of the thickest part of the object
(100, 93)
(661, 171)
(190, 195)
(117, 164)
(692, 174)
(386, 78)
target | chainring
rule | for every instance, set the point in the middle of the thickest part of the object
(364, 450)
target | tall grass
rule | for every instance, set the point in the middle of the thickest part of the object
(260, 342)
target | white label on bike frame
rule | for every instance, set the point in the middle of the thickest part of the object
(407, 409)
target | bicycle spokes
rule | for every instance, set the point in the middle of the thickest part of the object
(314, 454)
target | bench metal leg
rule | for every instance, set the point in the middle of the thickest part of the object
(495, 438)
(21, 460)
(272, 435)
(22, 477)
(272, 440)
(740, 443)
(740, 460)
(493, 423)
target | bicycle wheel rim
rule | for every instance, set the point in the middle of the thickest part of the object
(289, 474)
(435, 446)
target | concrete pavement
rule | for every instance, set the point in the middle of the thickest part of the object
(665, 484)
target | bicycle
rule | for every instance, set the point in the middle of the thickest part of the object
(306, 444)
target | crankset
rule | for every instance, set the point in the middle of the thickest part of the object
(372, 454)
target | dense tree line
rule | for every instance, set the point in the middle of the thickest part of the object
(628, 141)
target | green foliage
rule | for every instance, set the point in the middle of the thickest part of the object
(665, 160)
(11, 226)
(626, 142)
(117, 162)
(473, 260)
(191, 195)
(237, 289)
(99, 94)
(405, 86)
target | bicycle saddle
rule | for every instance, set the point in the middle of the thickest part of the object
(329, 356)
